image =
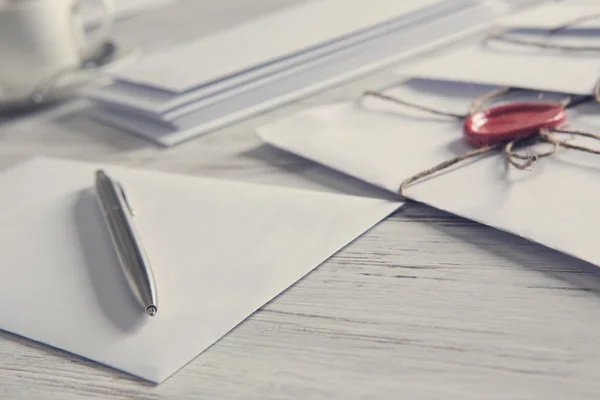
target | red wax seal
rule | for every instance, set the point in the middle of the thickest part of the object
(511, 121)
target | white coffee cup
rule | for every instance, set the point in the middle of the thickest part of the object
(39, 38)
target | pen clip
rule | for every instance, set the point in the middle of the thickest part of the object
(126, 201)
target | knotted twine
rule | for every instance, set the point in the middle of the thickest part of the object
(504, 36)
(508, 148)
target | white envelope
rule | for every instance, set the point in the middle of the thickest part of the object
(219, 251)
(509, 64)
(296, 82)
(555, 203)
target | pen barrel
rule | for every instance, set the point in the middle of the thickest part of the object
(126, 242)
(132, 256)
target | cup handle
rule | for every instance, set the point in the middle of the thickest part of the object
(89, 45)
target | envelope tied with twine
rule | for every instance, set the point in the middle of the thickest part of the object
(384, 143)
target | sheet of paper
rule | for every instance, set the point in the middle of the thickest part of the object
(219, 251)
(161, 102)
(298, 82)
(554, 203)
(261, 41)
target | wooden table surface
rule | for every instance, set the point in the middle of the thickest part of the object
(423, 306)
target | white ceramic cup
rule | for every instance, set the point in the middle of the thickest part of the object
(39, 38)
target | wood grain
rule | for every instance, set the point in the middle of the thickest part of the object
(423, 306)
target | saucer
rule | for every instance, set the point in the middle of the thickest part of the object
(66, 84)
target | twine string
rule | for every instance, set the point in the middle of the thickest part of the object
(480, 102)
(573, 22)
(509, 149)
(597, 92)
(505, 37)
(567, 144)
(446, 164)
(392, 99)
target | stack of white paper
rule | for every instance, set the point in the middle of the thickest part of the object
(176, 95)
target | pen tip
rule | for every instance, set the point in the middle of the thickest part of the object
(151, 310)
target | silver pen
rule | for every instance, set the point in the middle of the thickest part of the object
(118, 215)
